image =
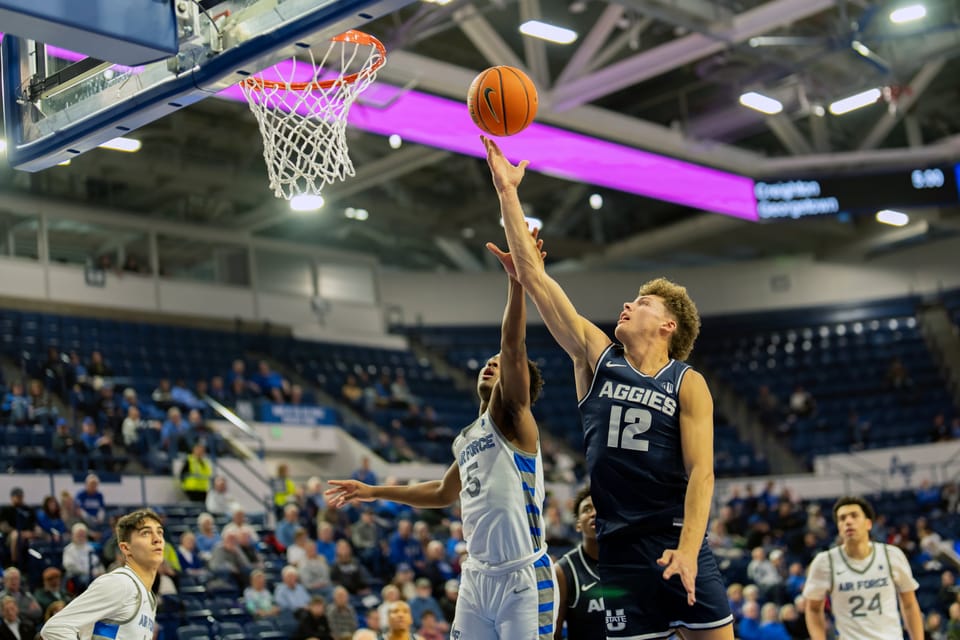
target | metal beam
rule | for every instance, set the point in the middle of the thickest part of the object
(681, 51)
(693, 15)
(819, 132)
(945, 150)
(629, 38)
(904, 103)
(535, 49)
(485, 38)
(788, 134)
(458, 254)
(591, 44)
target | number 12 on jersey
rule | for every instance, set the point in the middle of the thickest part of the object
(626, 426)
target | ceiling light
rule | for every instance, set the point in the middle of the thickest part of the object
(395, 141)
(761, 103)
(362, 214)
(128, 145)
(577, 6)
(891, 217)
(65, 163)
(596, 201)
(856, 101)
(3, 145)
(306, 202)
(350, 212)
(819, 111)
(908, 14)
(549, 32)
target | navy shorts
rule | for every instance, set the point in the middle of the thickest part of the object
(640, 604)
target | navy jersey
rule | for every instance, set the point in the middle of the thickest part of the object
(631, 432)
(586, 615)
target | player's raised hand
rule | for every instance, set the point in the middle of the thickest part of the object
(343, 491)
(683, 565)
(507, 260)
(505, 175)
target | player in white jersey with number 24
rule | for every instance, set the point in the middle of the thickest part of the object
(865, 580)
(507, 589)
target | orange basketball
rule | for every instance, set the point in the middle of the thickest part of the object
(502, 100)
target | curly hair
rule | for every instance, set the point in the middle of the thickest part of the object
(843, 501)
(578, 499)
(681, 307)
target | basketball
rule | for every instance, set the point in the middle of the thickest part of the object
(502, 101)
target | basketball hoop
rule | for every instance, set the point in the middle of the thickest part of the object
(302, 109)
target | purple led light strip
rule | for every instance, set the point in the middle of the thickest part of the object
(445, 124)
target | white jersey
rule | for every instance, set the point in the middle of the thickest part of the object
(863, 593)
(501, 496)
(116, 606)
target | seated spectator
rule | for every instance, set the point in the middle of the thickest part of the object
(130, 429)
(448, 601)
(430, 627)
(16, 405)
(940, 432)
(257, 599)
(52, 588)
(44, 410)
(182, 397)
(175, 435)
(366, 538)
(99, 447)
(948, 590)
(735, 600)
(286, 529)
(238, 523)
(424, 601)
(218, 391)
(325, 543)
(162, 396)
(342, 616)
(749, 627)
(802, 404)
(313, 623)
(80, 560)
(49, 519)
(314, 571)
(400, 394)
(437, 570)
(90, 502)
(796, 621)
(297, 552)
(795, 580)
(189, 556)
(249, 548)
(764, 574)
(352, 393)
(364, 473)
(228, 558)
(313, 505)
(388, 595)
(267, 379)
(404, 548)
(928, 496)
(403, 580)
(13, 624)
(219, 501)
(290, 595)
(348, 572)
(296, 396)
(98, 366)
(207, 535)
(13, 587)
(238, 371)
(771, 627)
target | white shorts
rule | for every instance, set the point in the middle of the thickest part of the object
(519, 605)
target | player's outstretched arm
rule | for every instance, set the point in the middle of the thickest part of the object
(425, 495)
(696, 440)
(579, 337)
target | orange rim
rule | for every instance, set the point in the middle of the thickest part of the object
(352, 36)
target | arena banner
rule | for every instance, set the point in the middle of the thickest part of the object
(297, 414)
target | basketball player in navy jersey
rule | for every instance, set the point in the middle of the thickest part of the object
(578, 581)
(648, 433)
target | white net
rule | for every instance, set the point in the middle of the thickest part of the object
(302, 108)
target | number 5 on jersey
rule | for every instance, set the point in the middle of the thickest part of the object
(626, 426)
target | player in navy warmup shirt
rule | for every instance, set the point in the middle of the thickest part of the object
(648, 432)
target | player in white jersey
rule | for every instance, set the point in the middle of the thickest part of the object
(506, 588)
(864, 579)
(118, 605)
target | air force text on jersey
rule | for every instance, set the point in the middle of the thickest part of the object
(475, 447)
(646, 397)
(875, 583)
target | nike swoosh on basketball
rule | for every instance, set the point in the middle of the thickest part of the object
(615, 364)
(486, 98)
(587, 587)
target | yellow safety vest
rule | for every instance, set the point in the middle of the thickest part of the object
(198, 475)
(286, 491)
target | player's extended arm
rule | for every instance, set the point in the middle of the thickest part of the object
(696, 440)
(425, 495)
(912, 616)
(816, 620)
(579, 337)
(510, 405)
(561, 579)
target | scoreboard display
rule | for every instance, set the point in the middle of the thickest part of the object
(801, 197)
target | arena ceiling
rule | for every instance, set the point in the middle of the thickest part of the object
(662, 75)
